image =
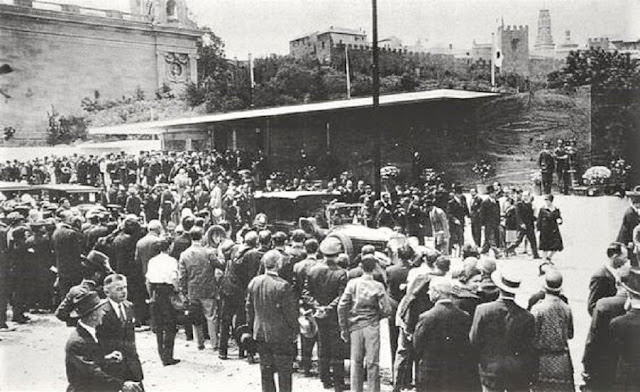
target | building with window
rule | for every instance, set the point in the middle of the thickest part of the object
(317, 45)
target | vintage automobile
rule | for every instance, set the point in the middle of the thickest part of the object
(285, 208)
(76, 194)
(321, 215)
(83, 197)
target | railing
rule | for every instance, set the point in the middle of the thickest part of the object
(76, 9)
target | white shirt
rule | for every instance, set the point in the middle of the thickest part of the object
(117, 307)
(162, 269)
(91, 330)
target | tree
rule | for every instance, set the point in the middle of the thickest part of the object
(601, 69)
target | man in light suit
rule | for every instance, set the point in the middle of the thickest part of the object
(272, 313)
(502, 335)
(117, 331)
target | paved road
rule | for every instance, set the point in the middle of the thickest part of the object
(32, 358)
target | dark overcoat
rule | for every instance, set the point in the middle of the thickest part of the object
(502, 335)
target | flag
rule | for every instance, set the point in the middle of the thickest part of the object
(497, 58)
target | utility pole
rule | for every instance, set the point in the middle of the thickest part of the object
(377, 139)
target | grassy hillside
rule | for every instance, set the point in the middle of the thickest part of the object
(512, 129)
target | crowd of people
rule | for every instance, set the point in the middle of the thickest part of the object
(177, 243)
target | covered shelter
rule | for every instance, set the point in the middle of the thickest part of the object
(437, 125)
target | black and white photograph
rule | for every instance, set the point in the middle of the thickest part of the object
(320, 195)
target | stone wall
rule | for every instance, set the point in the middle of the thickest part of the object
(59, 57)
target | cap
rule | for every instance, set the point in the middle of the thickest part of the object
(330, 246)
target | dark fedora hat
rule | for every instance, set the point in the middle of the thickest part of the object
(86, 302)
(631, 282)
(97, 261)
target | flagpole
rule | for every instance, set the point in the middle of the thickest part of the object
(493, 54)
(346, 66)
(252, 82)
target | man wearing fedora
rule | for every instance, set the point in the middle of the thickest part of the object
(490, 218)
(502, 334)
(630, 220)
(441, 343)
(325, 284)
(85, 359)
(95, 267)
(272, 314)
(624, 331)
(68, 243)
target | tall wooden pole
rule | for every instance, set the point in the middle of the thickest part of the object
(375, 71)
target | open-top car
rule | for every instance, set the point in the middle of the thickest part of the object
(320, 214)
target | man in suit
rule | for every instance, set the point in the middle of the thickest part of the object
(441, 343)
(490, 218)
(95, 267)
(547, 164)
(183, 241)
(68, 243)
(272, 313)
(124, 245)
(233, 293)
(527, 219)
(197, 280)
(474, 215)
(502, 334)
(396, 289)
(117, 331)
(85, 358)
(457, 210)
(599, 369)
(624, 331)
(146, 247)
(630, 220)
(603, 282)
(323, 288)
(301, 272)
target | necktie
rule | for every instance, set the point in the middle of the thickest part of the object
(123, 314)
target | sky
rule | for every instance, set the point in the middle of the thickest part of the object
(262, 27)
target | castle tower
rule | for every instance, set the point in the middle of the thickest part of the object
(544, 45)
(513, 41)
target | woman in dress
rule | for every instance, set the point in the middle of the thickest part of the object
(162, 284)
(548, 223)
(553, 329)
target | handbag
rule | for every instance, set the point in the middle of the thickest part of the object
(178, 302)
